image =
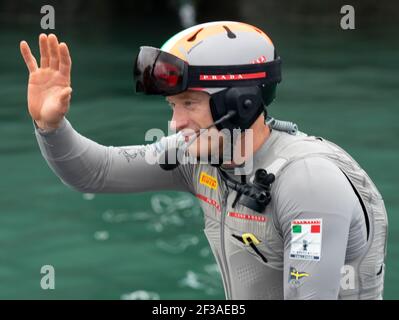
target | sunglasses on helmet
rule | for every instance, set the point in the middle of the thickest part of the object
(160, 73)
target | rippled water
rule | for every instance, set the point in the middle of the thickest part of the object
(151, 246)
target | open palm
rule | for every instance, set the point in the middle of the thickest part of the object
(49, 90)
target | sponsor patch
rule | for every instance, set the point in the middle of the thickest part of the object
(306, 237)
(246, 216)
(209, 201)
(209, 181)
(295, 277)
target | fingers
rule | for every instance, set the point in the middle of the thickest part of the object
(29, 59)
(44, 51)
(54, 52)
(65, 60)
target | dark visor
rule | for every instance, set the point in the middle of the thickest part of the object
(159, 72)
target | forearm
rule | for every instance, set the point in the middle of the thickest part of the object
(90, 167)
(76, 160)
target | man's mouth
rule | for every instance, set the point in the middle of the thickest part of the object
(189, 134)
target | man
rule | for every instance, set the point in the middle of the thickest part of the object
(302, 221)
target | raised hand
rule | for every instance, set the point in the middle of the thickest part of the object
(49, 88)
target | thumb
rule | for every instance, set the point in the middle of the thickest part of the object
(65, 94)
(65, 97)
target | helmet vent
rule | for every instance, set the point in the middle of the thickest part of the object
(230, 34)
(192, 38)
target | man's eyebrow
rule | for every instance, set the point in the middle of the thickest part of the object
(190, 98)
(184, 98)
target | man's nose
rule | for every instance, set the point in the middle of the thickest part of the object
(179, 120)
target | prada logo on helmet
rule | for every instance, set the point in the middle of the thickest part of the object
(242, 76)
(261, 59)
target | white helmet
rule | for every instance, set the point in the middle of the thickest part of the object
(234, 62)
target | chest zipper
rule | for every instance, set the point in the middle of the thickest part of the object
(222, 244)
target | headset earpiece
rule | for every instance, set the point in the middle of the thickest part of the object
(268, 93)
(245, 101)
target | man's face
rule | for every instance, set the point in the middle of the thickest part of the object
(191, 112)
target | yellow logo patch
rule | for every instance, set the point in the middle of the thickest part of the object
(208, 181)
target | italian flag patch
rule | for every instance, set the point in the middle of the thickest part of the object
(306, 235)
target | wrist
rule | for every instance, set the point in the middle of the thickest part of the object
(46, 127)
